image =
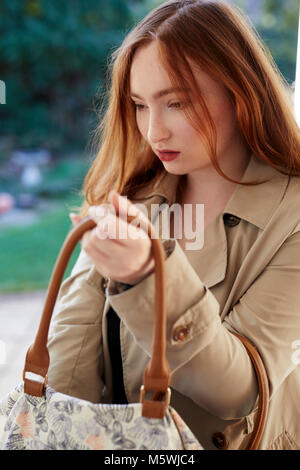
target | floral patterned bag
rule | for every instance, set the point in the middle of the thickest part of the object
(59, 422)
(38, 417)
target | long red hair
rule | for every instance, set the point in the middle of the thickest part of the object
(223, 42)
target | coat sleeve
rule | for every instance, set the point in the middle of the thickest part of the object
(75, 339)
(209, 364)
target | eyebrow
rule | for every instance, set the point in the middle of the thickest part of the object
(161, 93)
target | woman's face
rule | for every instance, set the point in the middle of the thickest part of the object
(161, 121)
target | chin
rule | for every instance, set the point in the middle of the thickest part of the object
(176, 171)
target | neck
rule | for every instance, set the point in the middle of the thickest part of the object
(207, 185)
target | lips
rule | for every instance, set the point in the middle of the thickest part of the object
(167, 155)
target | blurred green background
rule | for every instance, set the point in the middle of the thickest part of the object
(53, 62)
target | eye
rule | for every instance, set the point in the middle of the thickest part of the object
(177, 104)
(139, 106)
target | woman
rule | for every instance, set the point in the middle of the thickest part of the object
(235, 147)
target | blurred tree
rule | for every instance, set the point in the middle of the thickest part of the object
(53, 61)
(277, 23)
(279, 28)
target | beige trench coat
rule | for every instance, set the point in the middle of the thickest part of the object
(246, 278)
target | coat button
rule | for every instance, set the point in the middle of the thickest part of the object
(219, 440)
(231, 220)
(180, 333)
(104, 284)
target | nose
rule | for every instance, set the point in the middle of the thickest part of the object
(158, 129)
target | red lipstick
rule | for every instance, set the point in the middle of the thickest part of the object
(167, 155)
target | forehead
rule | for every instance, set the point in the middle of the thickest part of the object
(149, 77)
(147, 67)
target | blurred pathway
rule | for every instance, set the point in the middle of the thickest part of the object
(19, 319)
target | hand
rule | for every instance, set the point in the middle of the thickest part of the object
(120, 250)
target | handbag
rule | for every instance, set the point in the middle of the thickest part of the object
(39, 418)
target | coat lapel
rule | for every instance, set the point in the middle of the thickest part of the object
(209, 262)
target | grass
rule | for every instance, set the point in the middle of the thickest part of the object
(28, 254)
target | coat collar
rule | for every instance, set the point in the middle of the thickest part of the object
(255, 204)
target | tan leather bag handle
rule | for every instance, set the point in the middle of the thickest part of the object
(157, 373)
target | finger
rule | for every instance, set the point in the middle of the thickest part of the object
(117, 229)
(124, 208)
(105, 255)
(98, 212)
(122, 205)
(90, 244)
(75, 218)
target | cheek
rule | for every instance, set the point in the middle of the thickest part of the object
(142, 125)
(223, 115)
(186, 132)
(182, 128)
